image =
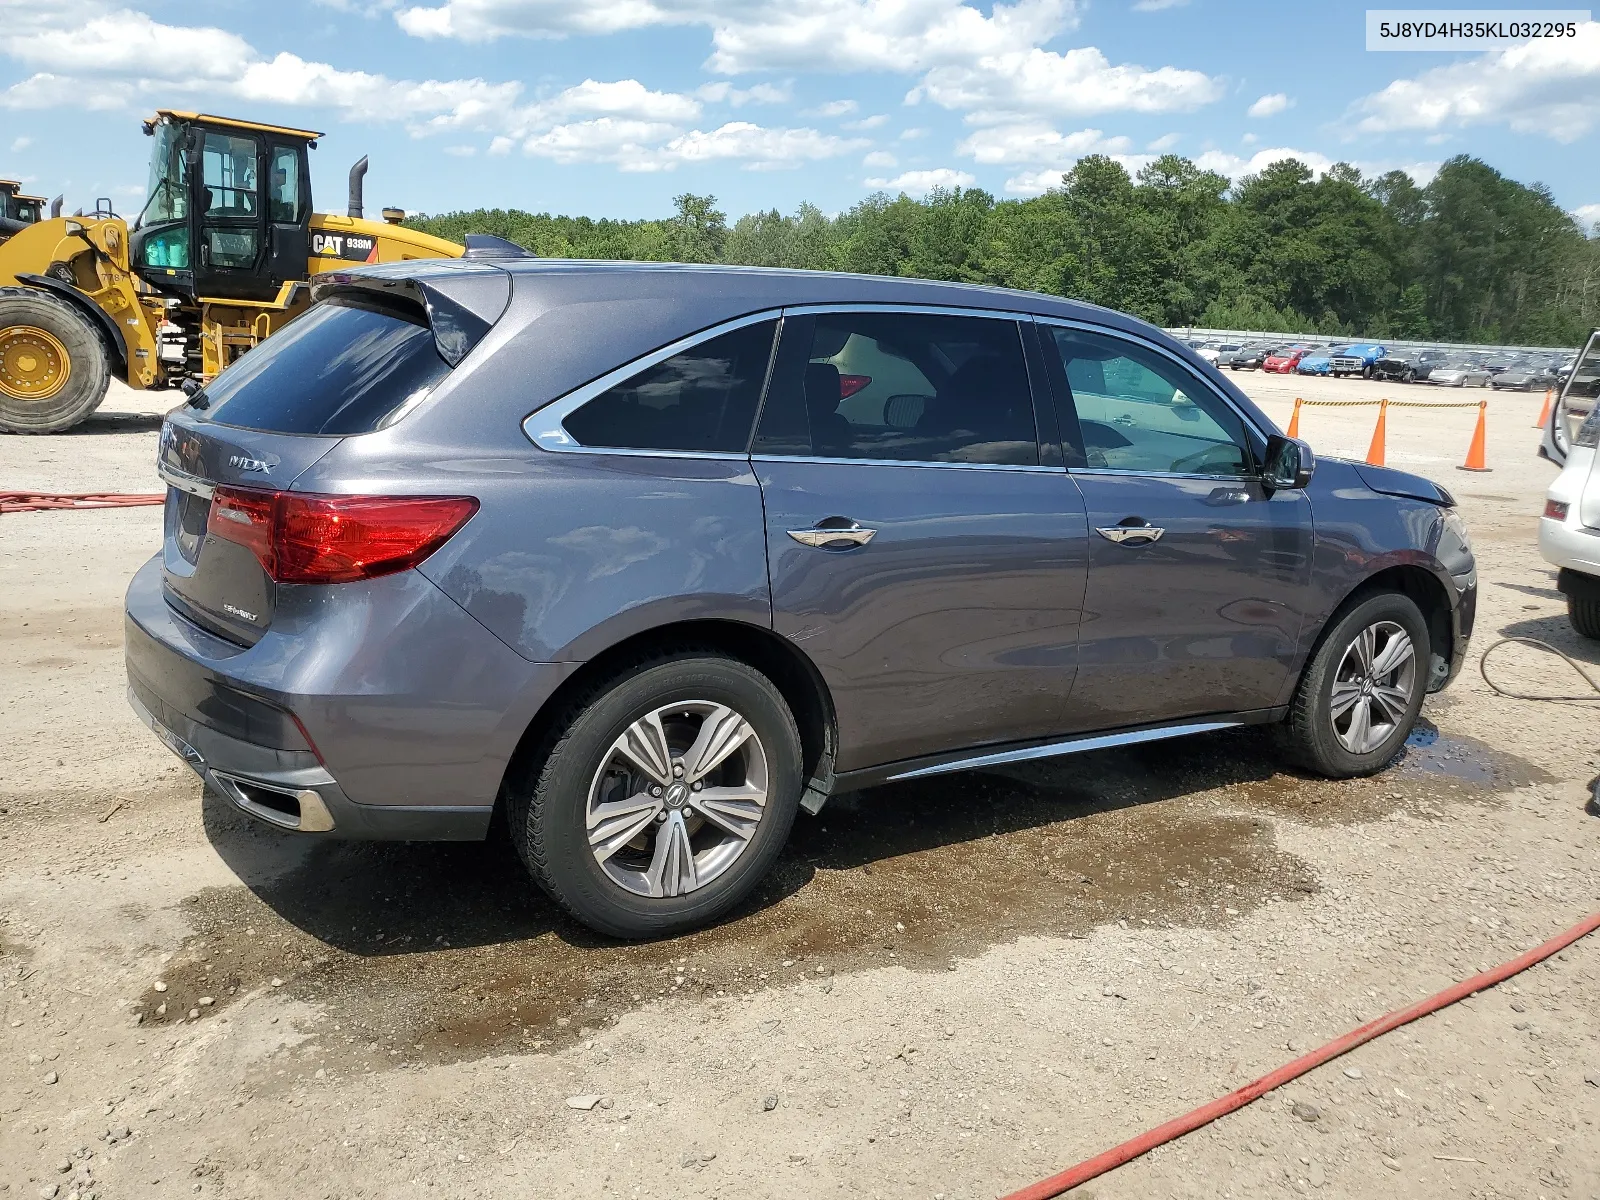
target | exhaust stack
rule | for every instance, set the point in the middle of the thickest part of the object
(55, 206)
(357, 174)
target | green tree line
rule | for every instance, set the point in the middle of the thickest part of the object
(1472, 256)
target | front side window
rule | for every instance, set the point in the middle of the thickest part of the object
(1140, 412)
(703, 399)
(908, 387)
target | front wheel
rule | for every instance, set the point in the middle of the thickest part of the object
(1362, 690)
(665, 799)
(54, 370)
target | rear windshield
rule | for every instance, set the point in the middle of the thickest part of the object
(348, 365)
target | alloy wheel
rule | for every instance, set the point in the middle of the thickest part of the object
(1373, 687)
(677, 798)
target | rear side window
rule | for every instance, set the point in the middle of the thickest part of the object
(347, 366)
(907, 387)
(703, 399)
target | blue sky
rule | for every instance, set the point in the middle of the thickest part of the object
(611, 107)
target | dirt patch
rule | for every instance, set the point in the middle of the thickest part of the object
(446, 952)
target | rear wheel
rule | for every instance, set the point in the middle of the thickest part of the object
(1362, 690)
(664, 799)
(54, 370)
(1584, 614)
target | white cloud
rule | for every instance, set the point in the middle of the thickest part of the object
(881, 159)
(875, 121)
(1236, 167)
(833, 108)
(879, 35)
(1588, 216)
(747, 35)
(461, 151)
(1550, 87)
(1080, 82)
(655, 146)
(723, 92)
(1269, 105)
(1034, 143)
(921, 182)
(907, 135)
(1157, 5)
(1032, 183)
(628, 143)
(1164, 143)
(759, 148)
(21, 144)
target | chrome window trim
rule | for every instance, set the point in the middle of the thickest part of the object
(1035, 468)
(185, 482)
(1144, 343)
(932, 310)
(543, 427)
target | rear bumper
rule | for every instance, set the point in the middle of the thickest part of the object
(293, 791)
(390, 744)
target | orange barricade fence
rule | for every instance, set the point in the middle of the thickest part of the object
(1375, 451)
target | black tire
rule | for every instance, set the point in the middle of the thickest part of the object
(1408, 376)
(1366, 372)
(1584, 614)
(546, 811)
(88, 367)
(1308, 734)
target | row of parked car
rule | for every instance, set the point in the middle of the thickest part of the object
(1370, 360)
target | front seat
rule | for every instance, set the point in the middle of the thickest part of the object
(830, 431)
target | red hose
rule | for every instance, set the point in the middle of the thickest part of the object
(41, 501)
(1206, 1113)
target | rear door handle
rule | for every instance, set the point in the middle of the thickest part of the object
(1130, 535)
(839, 536)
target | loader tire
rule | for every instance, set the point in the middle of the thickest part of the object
(54, 369)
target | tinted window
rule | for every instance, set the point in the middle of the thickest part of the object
(344, 367)
(904, 386)
(1138, 411)
(703, 399)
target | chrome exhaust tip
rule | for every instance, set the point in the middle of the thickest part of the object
(300, 809)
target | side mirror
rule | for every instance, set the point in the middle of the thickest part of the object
(1289, 464)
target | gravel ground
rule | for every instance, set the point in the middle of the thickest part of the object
(948, 989)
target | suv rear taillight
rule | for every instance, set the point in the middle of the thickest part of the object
(304, 538)
(1556, 510)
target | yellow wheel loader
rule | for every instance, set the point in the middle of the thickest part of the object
(217, 260)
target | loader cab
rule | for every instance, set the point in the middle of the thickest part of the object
(14, 206)
(229, 209)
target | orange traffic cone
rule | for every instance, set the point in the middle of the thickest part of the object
(1294, 420)
(1544, 413)
(1475, 451)
(1375, 451)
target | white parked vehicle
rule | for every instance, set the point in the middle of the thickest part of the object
(1569, 532)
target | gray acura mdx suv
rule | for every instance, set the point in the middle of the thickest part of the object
(648, 557)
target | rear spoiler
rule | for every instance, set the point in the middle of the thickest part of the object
(462, 303)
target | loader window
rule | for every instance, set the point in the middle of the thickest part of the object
(230, 175)
(168, 199)
(283, 186)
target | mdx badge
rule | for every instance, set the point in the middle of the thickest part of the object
(240, 463)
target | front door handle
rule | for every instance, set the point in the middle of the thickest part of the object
(834, 534)
(1131, 535)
